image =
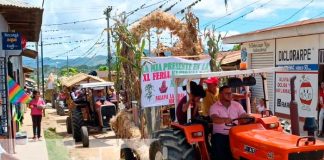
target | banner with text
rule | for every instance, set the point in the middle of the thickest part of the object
(306, 93)
(156, 79)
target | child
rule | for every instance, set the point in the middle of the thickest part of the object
(260, 107)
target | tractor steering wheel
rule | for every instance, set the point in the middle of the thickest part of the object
(241, 121)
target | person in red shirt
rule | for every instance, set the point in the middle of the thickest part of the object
(321, 109)
(37, 105)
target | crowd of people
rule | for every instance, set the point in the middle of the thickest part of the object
(218, 106)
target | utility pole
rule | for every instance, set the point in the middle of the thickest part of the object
(107, 13)
(42, 59)
(37, 62)
(67, 64)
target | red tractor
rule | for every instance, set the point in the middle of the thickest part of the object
(258, 137)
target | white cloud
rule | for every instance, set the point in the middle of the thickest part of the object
(260, 13)
(303, 18)
(206, 10)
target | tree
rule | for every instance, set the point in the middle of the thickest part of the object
(72, 71)
(236, 47)
(103, 68)
(213, 49)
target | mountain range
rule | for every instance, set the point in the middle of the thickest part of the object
(89, 61)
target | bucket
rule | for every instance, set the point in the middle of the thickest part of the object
(21, 138)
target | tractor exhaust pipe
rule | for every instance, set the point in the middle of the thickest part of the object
(294, 117)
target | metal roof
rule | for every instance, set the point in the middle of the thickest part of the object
(306, 27)
(22, 17)
(230, 57)
(16, 3)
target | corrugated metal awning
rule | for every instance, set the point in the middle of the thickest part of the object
(29, 53)
(299, 28)
(27, 70)
(230, 57)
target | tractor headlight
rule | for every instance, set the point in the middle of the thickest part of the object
(197, 134)
(273, 125)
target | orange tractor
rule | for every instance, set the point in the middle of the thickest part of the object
(258, 137)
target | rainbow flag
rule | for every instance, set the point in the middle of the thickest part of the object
(16, 93)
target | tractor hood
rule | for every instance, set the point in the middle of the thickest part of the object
(255, 140)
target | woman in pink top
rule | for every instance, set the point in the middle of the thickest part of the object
(37, 105)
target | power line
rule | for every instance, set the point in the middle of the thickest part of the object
(169, 8)
(74, 49)
(60, 43)
(295, 13)
(74, 22)
(143, 7)
(239, 17)
(188, 7)
(150, 12)
(213, 21)
(94, 54)
(318, 15)
(51, 38)
(69, 29)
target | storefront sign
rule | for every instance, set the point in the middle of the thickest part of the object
(11, 41)
(301, 67)
(306, 85)
(156, 81)
(297, 50)
(259, 46)
(321, 56)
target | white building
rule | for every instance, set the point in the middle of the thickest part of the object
(300, 46)
(24, 19)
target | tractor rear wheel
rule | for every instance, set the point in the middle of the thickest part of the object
(77, 123)
(171, 145)
(68, 125)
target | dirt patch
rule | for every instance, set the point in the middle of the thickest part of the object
(102, 145)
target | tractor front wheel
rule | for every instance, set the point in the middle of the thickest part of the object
(171, 145)
(85, 136)
(77, 123)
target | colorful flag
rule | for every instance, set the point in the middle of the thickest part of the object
(16, 93)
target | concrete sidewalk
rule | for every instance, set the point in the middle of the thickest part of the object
(33, 150)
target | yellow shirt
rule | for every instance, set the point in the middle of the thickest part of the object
(208, 101)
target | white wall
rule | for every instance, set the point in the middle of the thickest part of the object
(3, 28)
(300, 54)
(261, 55)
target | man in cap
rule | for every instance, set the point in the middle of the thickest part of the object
(211, 94)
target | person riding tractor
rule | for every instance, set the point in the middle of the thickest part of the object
(100, 100)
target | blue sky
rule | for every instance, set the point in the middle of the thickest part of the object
(79, 38)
